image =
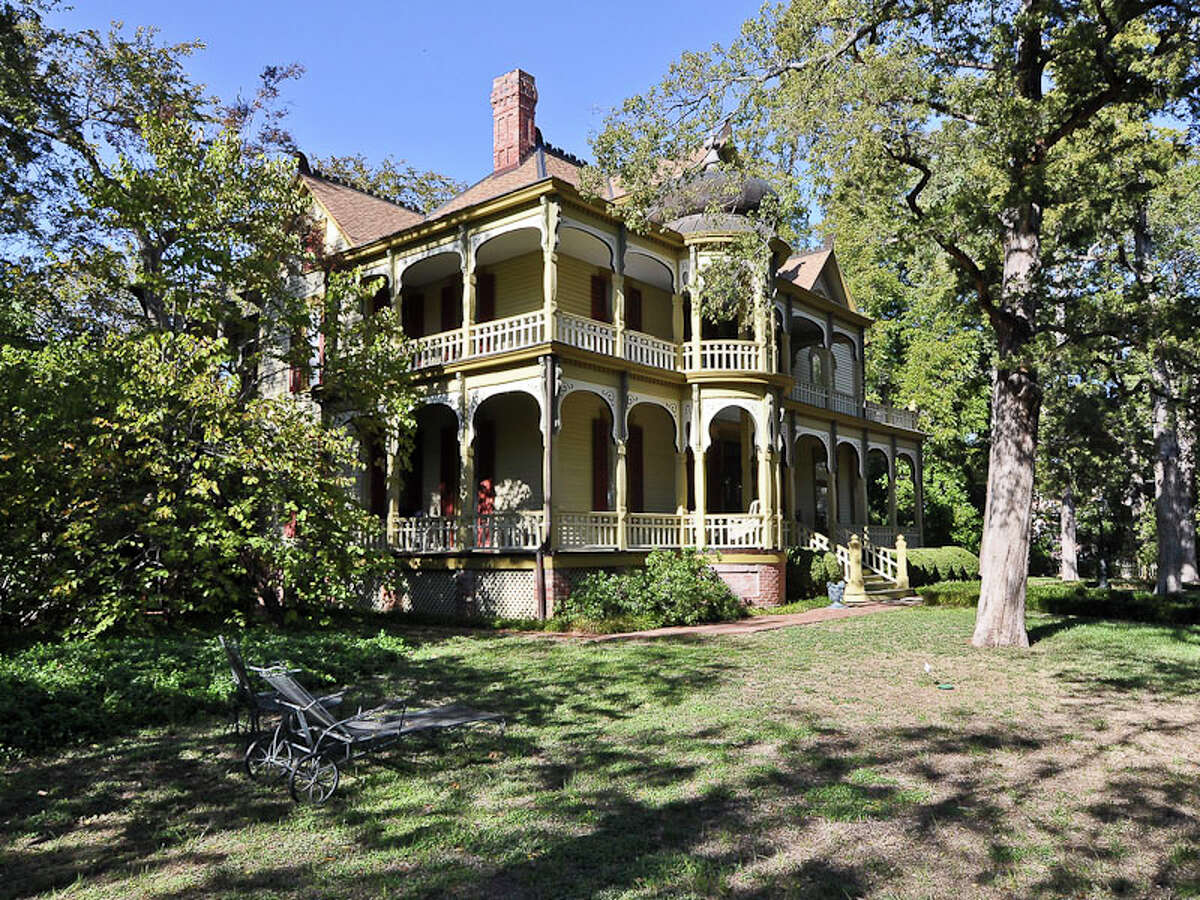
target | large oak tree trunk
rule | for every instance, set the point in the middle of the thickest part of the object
(1171, 506)
(1016, 406)
(1068, 569)
(1186, 433)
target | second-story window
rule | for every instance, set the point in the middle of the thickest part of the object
(485, 296)
(633, 309)
(601, 294)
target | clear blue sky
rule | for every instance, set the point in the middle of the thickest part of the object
(413, 79)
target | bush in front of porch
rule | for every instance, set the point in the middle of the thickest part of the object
(808, 571)
(674, 588)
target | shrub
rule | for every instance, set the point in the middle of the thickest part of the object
(1074, 598)
(808, 571)
(673, 589)
(927, 565)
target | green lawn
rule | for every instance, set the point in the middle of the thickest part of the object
(809, 762)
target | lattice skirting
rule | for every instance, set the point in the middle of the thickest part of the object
(464, 593)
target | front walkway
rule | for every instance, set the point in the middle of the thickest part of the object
(752, 624)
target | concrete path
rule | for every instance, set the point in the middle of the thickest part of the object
(752, 624)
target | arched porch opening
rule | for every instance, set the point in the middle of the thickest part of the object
(906, 495)
(509, 275)
(811, 472)
(878, 487)
(585, 455)
(431, 295)
(429, 483)
(849, 484)
(731, 462)
(507, 447)
(650, 463)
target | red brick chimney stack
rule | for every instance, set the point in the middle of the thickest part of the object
(513, 98)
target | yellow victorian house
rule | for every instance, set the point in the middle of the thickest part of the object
(576, 411)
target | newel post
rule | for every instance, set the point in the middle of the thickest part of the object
(856, 592)
(901, 561)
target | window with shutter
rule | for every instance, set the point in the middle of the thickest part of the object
(485, 297)
(448, 476)
(599, 464)
(413, 315)
(452, 306)
(634, 450)
(297, 374)
(600, 295)
(377, 479)
(633, 309)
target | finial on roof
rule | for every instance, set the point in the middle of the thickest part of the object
(827, 243)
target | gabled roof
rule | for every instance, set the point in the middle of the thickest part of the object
(540, 163)
(360, 216)
(803, 269)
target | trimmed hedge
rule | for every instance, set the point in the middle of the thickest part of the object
(1074, 598)
(927, 565)
(808, 571)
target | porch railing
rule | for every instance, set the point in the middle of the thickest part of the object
(517, 530)
(646, 531)
(737, 530)
(725, 356)
(425, 534)
(840, 401)
(511, 333)
(587, 334)
(891, 415)
(437, 349)
(586, 530)
(811, 393)
(649, 350)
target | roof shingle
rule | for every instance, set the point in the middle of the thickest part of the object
(362, 217)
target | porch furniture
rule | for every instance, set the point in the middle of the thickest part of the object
(311, 745)
(255, 703)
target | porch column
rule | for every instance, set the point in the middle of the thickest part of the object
(833, 482)
(549, 380)
(919, 495)
(696, 317)
(618, 287)
(466, 489)
(468, 291)
(827, 365)
(862, 488)
(787, 335)
(892, 519)
(393, 487)
(622, 497)
(677, 328)
(763, 323)
(699, 487)
(777, 490)
(550, 216)
(793, 471)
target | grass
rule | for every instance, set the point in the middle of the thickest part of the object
(813, 762)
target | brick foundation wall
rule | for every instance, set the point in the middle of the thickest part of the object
(756, 584)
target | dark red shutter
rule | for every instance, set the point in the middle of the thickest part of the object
(381, 300)
(485, 297)
(633, 309)
(599, 464)
(600, 298)
(296, 378)
(377, 479)
(414, 476)
(633, 468)
(448, 477)
(413, 315)
(451, 307)
(321, 356)
(485, 464)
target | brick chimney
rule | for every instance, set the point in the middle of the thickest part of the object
(513, 99)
